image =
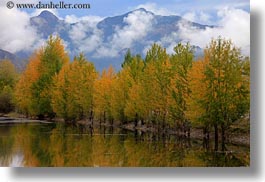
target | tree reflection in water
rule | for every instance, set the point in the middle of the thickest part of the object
(69, 145)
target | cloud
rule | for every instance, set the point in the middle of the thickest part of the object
(85, 37)
(138, 24)
(191, 16)
(170, 41)
(84, 34)
(88, 38)
(233, 24)
(153, 7)
(89, 19)
(204, 18)
(15, 30)
(198, 17)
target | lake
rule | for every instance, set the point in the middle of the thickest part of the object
(37, 144)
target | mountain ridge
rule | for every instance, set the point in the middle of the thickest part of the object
(108, 30)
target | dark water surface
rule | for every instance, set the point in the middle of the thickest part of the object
(43, 144)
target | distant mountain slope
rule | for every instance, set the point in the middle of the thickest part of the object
(19, 64)
(106, 42)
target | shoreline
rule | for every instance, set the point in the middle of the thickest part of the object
(10, 120)
(195, 133)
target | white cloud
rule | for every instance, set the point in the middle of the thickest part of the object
(139, 23)
(85, 34)
(191, 16)
(89, 19)
(17, 34)
(198, 17)
(170, 41)
(153, 7)
(15, 30)
(234, 24)
(204, 18)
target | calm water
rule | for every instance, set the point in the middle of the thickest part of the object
(35, 144)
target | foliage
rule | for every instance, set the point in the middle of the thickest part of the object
(8, 78)
(103, 94)
(162, 91)
(72, 93)
(23, 89)
(37, 80)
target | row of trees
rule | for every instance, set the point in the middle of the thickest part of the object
(161, 91)
(8, 78)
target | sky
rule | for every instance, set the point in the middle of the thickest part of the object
(178, 7)
(232, 18)
(106, 8)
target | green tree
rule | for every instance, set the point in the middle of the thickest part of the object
(52, 59)
(134, 109)
(8, 74)
(127, 58)
(156, 84)
(73, 88)
(181, 62)
(122, 107)
(8, 77)
(227, 89)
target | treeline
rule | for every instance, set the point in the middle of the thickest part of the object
(162, 91)
(8, 79)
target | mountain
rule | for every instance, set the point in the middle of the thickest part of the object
(47, 23)
(106, 42)
(19, 63)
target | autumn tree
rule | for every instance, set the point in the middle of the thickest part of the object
(195, 112)
(8, 74)
(227, 89)
(121, 86)
(127, 58)
(73, 88)
(181, 62)
(156, 82)
(134, 108)
(23, 89)
(33, 91)
(8, 77)
(52, 58)
(103, 94)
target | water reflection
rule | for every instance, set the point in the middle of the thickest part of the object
(62, 145)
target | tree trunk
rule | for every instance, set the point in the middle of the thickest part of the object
(223, 136)
(205, 138)
(135, 120)
(91, 117)
(216, 139)
(104, 117)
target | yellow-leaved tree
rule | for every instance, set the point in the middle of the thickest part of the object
(73, 88)
(102, 95)
(8, 77)
(33, 90)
